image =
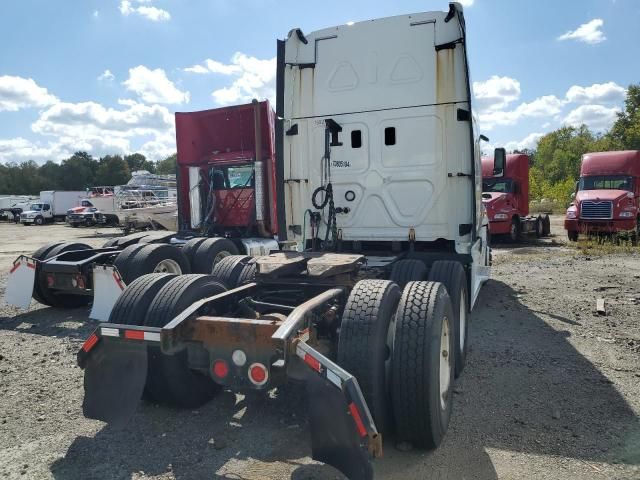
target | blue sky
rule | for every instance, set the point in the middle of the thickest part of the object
(106, 75)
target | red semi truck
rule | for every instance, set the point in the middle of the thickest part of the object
(607, 198)
(505, 195)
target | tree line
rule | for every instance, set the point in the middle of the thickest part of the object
(555, 162)
(78, 172)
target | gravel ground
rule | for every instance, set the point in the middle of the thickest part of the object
(551, 388)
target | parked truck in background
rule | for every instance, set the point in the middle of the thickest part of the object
(52, 205)
(607, 197)
(376, 184)
(505, 195)
(12, 206)
(226, 203)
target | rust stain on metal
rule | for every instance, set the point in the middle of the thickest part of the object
(233, 332)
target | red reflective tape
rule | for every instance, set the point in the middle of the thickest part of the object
(31, 265)
(312, 362)
(15, 267)
(356, 418)
(118, 280)
(134, 334)
(90, 343)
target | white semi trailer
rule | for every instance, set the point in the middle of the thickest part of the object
(378, 193)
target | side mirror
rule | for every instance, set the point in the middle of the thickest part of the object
(499, 161)
(484, 138)
(577, 186)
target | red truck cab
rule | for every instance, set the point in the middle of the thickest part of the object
(505, 195)
(226, 171)
(607, 198)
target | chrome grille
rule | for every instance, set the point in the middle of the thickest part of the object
(596, 210)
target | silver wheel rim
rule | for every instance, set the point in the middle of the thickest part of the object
(463, 320)
(168, 266)
(445, 363)
(219, 257)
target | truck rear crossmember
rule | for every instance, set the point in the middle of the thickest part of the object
(343, 431)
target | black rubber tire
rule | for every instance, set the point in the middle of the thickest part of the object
(144, 258)
(38, 220)
(112, 242)
(74, 225)
(248, 273)
(539, 227)
(362, 346)
(41, 254)
(547, 225)
(169, 378)
(415, 366)
(59, 300)
(132, 306)
(408, 270)
(228, 270)
(452, 275)
(206, 253)
(515, 231)
(189, 248)
(572, 235)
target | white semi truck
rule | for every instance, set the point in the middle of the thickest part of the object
(378, 196)
(52, 205)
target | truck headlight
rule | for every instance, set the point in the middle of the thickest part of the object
(501, 216)
(572, 214)
(626, 214)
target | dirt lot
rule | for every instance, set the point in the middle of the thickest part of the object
(551, 388)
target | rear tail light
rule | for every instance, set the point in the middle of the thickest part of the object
(220, 368)
(258, 374)
(80, 282)
(51, 280)
(90, 342)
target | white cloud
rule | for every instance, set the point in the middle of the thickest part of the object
(529, 142)
(19, 92)
(153, 86)
(253, 78)
(466, 3)
(496, 93)
(609, 92)
(151, 13)
(546, 106)
(213, 66)
(596, 117)
(91, 127)
(587, 32)
(106, 76)
(96, 14)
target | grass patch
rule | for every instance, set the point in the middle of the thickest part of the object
(547, 206)
(606, 245)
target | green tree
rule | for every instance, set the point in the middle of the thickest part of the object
(168, 165)
(625, 133)
(137, 161)
(113, 170)
(78, 172)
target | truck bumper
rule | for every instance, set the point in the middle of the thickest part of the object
(343, 433)
(499, 227)
(599, 226)
(27, 220)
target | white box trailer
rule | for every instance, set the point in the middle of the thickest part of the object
(52, 205)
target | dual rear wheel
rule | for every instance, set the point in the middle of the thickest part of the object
(405, 347)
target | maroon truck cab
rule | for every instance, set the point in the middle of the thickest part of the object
(226, 174)
(506, 198)
(607, 196)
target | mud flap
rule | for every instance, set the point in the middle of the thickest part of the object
(107, 288)
(21, 281)
(334, 440)
(114, 377)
